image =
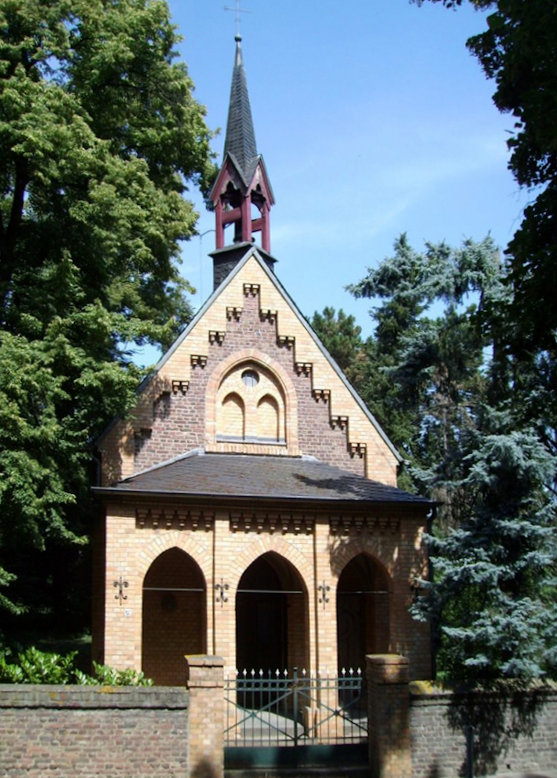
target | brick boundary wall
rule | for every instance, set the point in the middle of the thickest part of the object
(89, 731)
(417, 731)
(170, 732)
(116, 732)
(514, 734)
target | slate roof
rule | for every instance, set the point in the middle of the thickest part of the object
(240, 135)
(260, 478)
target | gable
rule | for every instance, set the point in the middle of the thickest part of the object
(248, 376)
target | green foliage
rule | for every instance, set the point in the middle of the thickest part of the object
(427, 368)
(518, 52)
(492, 586)
(108, 676)
(100, 138)
(475, 428)
(341, 336)
(34, 666)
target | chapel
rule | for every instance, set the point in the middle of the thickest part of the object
(250, 506)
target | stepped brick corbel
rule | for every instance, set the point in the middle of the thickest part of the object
(285, 523)
(251, 290)
(216, 336)
(174, 517)
(233, 312)
(198, 360)
(268, 315)
(287, 341)
(358, 525)
(303, 368)
(357, 449)
(321, 395)
(179, 386)
(141, 436)
(339, 422)
(160, 389)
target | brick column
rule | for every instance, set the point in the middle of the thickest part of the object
(205, 682)
(388, 716)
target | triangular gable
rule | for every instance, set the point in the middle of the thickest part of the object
(178, 367)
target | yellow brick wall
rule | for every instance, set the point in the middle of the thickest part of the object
(223, 554)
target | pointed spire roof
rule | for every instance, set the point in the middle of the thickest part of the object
(242, 186)
(240, 135)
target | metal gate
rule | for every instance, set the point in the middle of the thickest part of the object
(290, 720)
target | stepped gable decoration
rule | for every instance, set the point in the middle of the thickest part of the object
(250, 486)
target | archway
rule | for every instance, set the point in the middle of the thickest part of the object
(174, 616)
(271, 616)
(362, 612)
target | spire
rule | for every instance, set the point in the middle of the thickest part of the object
(242, 187)
(240, 135)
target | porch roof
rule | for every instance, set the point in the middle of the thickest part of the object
(236, 476)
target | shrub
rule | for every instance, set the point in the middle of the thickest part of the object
(34, 666)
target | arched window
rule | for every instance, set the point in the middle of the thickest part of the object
(232, 415)
(251, 406)
(268, 418)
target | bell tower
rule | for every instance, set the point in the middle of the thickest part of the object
(242, 195)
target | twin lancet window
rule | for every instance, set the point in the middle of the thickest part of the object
(251, 406)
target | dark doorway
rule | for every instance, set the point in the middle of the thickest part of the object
(174, 617)
(362, 612)
(271, 610)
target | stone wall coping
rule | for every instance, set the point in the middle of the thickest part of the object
(387, 659)
(91, 697)
(204, 660)
(387, 669)
(427, 691)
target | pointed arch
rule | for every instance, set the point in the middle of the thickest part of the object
(231, 415)
(173, 616)
(363, 618)
(269, 418)
(272, 624)
(269, 406)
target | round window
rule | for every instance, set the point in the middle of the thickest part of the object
(250, 378)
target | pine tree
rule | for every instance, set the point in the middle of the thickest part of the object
(458, 389)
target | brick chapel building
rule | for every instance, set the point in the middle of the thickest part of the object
(250, 502)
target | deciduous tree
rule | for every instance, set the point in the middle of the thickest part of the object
(100, 137)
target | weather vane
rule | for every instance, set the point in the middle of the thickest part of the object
(238, 11)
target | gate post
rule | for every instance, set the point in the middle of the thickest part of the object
(388, 716)
(205, 682)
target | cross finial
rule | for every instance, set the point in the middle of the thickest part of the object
(238, 11)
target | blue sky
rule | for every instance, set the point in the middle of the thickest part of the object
(373, 119)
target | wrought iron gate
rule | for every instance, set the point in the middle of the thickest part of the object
(280, 719)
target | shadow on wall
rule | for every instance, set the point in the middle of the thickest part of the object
(205, 769)
(494, 720)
